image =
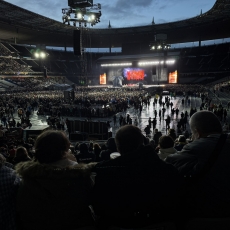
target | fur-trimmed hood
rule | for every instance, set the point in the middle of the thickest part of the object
(33, 169)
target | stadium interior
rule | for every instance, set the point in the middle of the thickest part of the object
(52, 70)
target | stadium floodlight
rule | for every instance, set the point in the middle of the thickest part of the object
(42, 55)
(159, 43)
(36, 54)
(79, 15)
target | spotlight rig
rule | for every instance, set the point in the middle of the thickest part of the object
(83, 12)
(159, 43)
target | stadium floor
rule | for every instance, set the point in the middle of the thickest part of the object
(142, 118)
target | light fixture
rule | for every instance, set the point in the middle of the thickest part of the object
(36, 54)
(84, 12)
(159, 43)
(42, 55)
(152, 63)
(116, 64)
(79, 15)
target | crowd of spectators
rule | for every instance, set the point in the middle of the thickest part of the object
(222, 87)
(10, 65)
(117, 179)
(124, 182)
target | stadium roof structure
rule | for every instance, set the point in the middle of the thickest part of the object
(31, 29)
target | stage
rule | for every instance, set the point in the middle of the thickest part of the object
(126, 86)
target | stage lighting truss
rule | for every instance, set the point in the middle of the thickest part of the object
(82, 16)
(159, 46)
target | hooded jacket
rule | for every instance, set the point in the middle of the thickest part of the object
(51, 197)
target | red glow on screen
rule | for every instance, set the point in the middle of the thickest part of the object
(136, 75)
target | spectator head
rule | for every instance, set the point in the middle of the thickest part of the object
(51, 146)
(21, 153)
(166, 142)
(111, 144)
(171, 131)
(181, 138)
(172, 134)
(128, 138)
(83, 147)
(204, 123)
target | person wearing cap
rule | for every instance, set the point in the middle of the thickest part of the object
(133, 188)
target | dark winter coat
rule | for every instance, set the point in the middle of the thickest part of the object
(138, 182)
(54, 198)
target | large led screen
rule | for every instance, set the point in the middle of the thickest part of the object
(103, 79)
(135, 74)
(173, 77)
